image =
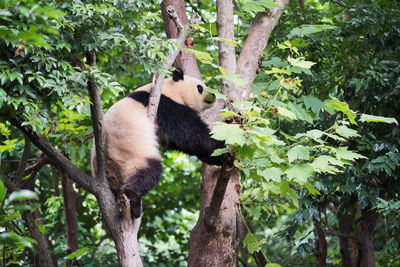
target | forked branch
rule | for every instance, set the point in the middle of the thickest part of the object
(158, 77)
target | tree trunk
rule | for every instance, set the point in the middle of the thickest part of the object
(218, 246)
(42, 245)
(368, 220)
(347, 249)
(71, 222)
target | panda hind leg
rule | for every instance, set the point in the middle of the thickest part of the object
(140, 183)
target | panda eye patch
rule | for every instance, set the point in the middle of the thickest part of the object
(200, 88)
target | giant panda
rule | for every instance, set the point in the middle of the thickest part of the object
(133, 161)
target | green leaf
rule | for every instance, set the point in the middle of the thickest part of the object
(372, 118)
(277, 70)
(78, 253)
(286, 114)
(300, 63)
(220, 151)
(343, 107)
(343, 153)
(298, 152)
(346, 132)
(269, 174)
(254, 212)
(16, 241)
(311, 189)
(231, 133)
(252, 243)
(2, 191)
(259, 6)
(314, 103)
(327, 164)
(272, 265)
(306, 30)
(22, 194)
(299, 173)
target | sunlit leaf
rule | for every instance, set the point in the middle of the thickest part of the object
(372, 118)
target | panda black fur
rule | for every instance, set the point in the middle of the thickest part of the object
(133, 161)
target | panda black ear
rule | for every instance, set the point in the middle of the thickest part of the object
(177, 75)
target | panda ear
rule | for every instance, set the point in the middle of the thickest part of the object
(177, 75)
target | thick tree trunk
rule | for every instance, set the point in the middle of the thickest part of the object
(218, 246)
(368, 220)
(71, 222)
(42, 245)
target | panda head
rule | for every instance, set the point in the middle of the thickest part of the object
(188, 91)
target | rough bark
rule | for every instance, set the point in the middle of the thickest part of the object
(185, 61)
(183, 32)
(346, 248)
(216, 237)
(43, 257)
(321, 248)
(368, 220)
(217, 246)
(71, 222)
(254, 45)
(42, 246)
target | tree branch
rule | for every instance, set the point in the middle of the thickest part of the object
(56, 156)
(158, 77)
(212, 212)
(338, 2)
(253, 48)
(340, 234)
(97, 117)
(227, 60)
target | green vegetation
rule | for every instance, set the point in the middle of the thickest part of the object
(317, 142)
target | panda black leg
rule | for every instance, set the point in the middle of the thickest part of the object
(139, 184)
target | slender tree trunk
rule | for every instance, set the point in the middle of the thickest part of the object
(346, 244)
(71, 222)
(368, 221)
(42, 245)
(321, 248)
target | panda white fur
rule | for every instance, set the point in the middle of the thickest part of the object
(133, 161)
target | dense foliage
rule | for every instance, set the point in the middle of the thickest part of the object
(317, 143)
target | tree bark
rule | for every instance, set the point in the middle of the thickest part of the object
(346, 248)
(254, 45)
(368, 220)
(217, 246)
(71, 222)
(185, 61)
(321, 248)
(42, 245)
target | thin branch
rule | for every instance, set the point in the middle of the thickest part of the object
(56, 156)
(24, 160)
(340, 234)
(97, 117)
(158, 77)
(339, 3)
